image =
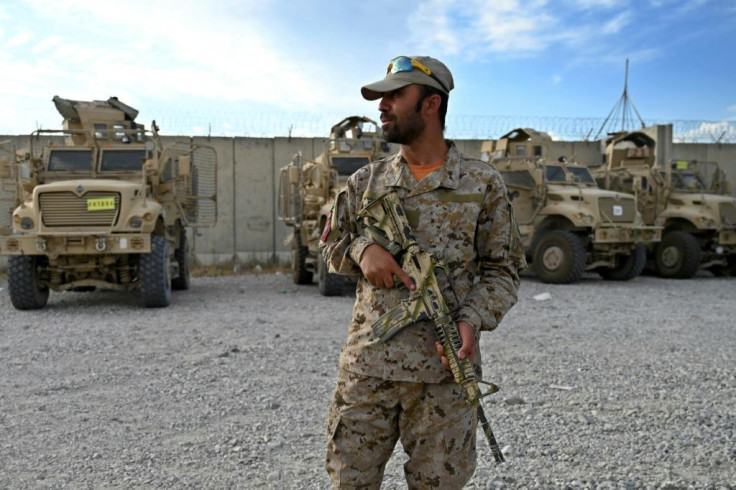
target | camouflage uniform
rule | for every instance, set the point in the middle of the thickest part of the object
(400, 388)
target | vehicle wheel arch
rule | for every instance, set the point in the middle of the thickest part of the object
(679, 224)
(160, 227)
(549, 223)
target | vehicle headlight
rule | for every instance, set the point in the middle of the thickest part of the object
(26, 223)
(135, 222)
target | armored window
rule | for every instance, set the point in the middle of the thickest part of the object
(518, 178)
(688, 181)
(554, 173)
(70, 160)
(581, 174)
(100, 130)
(348, 165)
(119, 131)
(520, 150)
(122, 160)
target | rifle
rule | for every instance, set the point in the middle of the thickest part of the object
(385, 222)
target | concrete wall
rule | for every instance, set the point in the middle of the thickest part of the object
(248, 229)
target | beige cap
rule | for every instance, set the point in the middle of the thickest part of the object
(394, 81)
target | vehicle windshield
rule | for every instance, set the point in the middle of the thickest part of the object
(122, 160)
(687, 181)
(554, 173)
(518, 178)
(70, 160)
(558, 173)
(581, 174)
(348, 165)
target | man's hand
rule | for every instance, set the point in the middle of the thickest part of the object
(380, 267)
(467, 335)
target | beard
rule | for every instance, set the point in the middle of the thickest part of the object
(406, 130)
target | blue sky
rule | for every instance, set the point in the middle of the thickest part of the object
(211, 66)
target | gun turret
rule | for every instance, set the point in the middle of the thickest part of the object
(101, 119)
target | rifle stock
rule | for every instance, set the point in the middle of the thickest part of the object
(384, 221)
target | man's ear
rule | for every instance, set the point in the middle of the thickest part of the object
(432, 103)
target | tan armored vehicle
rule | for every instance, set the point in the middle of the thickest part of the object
(103, 203)
(568, 225)
(308, 187)
(685, 196)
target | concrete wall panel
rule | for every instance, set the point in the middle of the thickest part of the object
(253, 206)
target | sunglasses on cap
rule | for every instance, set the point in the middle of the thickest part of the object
(404, 63)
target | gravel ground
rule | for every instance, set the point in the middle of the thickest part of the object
(605, 385)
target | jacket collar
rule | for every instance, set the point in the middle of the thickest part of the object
(447, 176)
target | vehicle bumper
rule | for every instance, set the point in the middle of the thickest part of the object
(75, 244)
(631, 234)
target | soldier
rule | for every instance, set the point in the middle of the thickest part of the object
(457, 206)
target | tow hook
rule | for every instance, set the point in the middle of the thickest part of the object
(101, 244)
(41, 245)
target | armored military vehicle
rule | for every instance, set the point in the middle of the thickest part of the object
(308, 187)
(104, 203)
(568, 225)
(685, 196)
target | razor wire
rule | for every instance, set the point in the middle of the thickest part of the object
(314, 124)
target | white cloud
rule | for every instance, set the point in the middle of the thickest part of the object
(506, 26)
(513, 28)
(478, 26)
(614, 25)
(432, 17)
(47, 44)
(173, 50)
(21, 38)
(557, 79)
(707, 132)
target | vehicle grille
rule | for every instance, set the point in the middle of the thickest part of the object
(617, 210)
(728, 213)
(66, 209)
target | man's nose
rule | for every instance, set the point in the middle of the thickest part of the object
(383, 105)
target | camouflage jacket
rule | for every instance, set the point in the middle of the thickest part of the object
(461, 211)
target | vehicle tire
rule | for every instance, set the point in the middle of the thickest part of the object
(155, 274)
(559, 257)
(329, 284)
(627, 266)
(677, 256)
(24, 285)
(719, 270)
(299, 254)
(732, 265)
(181, 255)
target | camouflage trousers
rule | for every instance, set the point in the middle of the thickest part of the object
(369, 415)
